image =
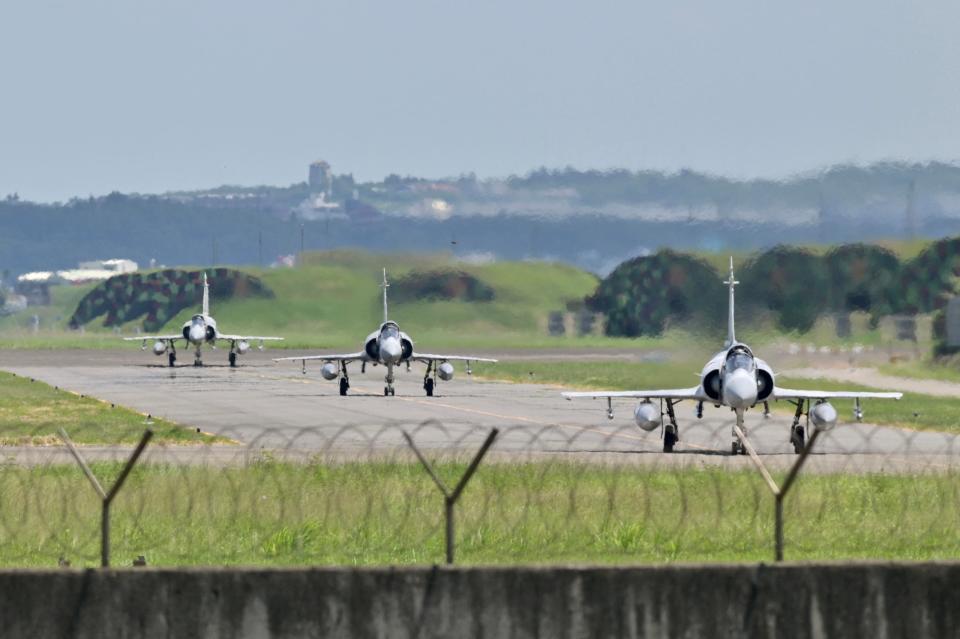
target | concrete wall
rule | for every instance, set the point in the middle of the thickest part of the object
(852, 600)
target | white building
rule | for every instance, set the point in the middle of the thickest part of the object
(92, 271)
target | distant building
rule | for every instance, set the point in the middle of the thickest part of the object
(35, 286)
(321, 179)
(115, 266)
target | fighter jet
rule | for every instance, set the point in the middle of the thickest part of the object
(737, 379)
(387, 346)
(200, 330)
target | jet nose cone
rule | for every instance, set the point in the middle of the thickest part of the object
(390, 350)
(740, 389)
(197, 333)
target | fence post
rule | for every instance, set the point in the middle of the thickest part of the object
(450, 497)
(779, 492)
(106, 498)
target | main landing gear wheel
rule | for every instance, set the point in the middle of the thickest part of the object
(387, 391)
(198, 362)
(671, 434)
(797, 438)
(172, 358)
(738, 448)
(428, 386)
(344, 385)
(669, 440)
(233, 360)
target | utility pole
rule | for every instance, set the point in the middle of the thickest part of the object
(911, 213)
(300, 258)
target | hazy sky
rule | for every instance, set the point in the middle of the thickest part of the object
(171, 94)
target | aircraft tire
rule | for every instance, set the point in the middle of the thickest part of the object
(669, 439)
(344, 385)
(233, 360)
(172, 358)
(428, 386)
(797, 439)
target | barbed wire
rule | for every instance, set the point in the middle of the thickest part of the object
(363, 494)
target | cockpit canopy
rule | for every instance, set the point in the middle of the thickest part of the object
(389, 330)
(739, 357)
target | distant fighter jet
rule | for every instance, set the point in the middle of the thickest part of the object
(390, 347)
(734, 377)
(200, 330)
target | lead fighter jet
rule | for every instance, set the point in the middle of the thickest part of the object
(200, 330)
(390, 347)
(735, 378)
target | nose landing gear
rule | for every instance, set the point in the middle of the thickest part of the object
(388, 390)
(738, 447)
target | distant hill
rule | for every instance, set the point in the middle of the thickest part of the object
(333, 300)
(589, 218)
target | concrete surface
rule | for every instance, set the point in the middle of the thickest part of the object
(785, 601)
(267, 405)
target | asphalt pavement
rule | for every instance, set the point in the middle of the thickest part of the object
(267, 405)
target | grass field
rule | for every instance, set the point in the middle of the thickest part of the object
(914, 411)
(31, 412)
(333, 301)
(925, 369)
(273, 513)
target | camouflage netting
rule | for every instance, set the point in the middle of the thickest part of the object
(642, 295)
(927, 280)
(940, 347)
(440, 285)
(159, 296)
(792, 282)
(862, 277)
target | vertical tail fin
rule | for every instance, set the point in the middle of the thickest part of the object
(206, 296)
(385, 286)
(731, 334)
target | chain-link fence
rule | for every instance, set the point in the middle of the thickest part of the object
(429, 492)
